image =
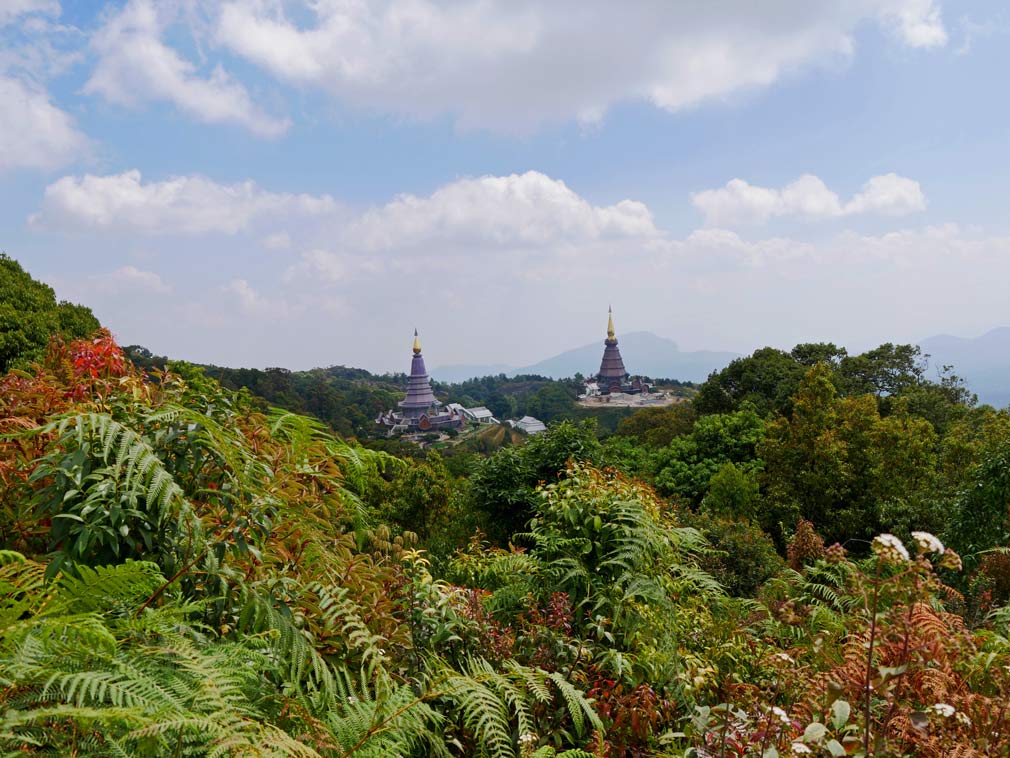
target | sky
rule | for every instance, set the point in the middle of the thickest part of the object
(280, 183)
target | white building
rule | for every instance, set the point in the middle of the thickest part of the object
(529, 425)
(478, 415)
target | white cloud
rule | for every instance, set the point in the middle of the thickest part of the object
(528, 209)
(187, 205)
(11, 10)
(277, 241)
(511, 65)
(890, 194)
(130, 279)
(451, 264)
(136, 66)
(917, 22)
(34, 133)
(252, 303)
(807, 197)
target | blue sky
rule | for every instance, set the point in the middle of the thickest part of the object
(268, 182)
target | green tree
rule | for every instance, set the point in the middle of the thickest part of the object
(656, 427)
(838, 463)
(504, 485)
(812, 353)
(686, 466)
(551, 402)
(886, 370)
(742, 558)
(732, 493)
(766, 380)
(30, 316)
(418, 496)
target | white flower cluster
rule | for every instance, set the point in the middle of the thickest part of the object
(927, 543)
(800, 749)
(890, 548)
(780, 714)
(943, 710)
(527, 739)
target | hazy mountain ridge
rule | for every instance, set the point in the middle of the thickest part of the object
(644, 354)
(983, 362)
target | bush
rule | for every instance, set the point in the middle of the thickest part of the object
(743, 557)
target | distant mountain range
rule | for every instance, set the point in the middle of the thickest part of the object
(983, 362)
(644, 354)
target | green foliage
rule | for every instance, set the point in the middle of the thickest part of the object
(686, 466)
(742, 558)
(30, 317)
(608, 545)
(504, 485)
(980, 518)
(765, 380)
(838, 463)
(551, 402)
(109, 496)
(886, 370)
(769, 378)
(732, 493)
(656, 427)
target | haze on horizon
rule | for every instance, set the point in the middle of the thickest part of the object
(271, 182)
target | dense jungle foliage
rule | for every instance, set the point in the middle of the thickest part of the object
(811, 558)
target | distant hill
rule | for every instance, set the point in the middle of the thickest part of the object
(983, 362)
(644, 354)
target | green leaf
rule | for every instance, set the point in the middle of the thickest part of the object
(835, 748)
(840, 712)
(815, 732)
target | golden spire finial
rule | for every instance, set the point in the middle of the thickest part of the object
(610, 323)
(417, 343)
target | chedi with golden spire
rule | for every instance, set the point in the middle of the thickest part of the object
(613, 376)
(420, 410)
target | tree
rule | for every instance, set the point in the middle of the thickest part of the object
(766, 380)
(838, 463)
(417, 499)
(886, 370)
(732, 493)
(686, 466)
(504, 485)
(551, 402)
(656, 427)
(30, 316)
(812, 353)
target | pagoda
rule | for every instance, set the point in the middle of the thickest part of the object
(612, 376)
(420, 410)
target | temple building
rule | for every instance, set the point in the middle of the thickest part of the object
(419, 410)
(613, 376)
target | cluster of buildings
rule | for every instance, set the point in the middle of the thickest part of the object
(421, 411)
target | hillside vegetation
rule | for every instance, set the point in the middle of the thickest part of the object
(810, 558)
